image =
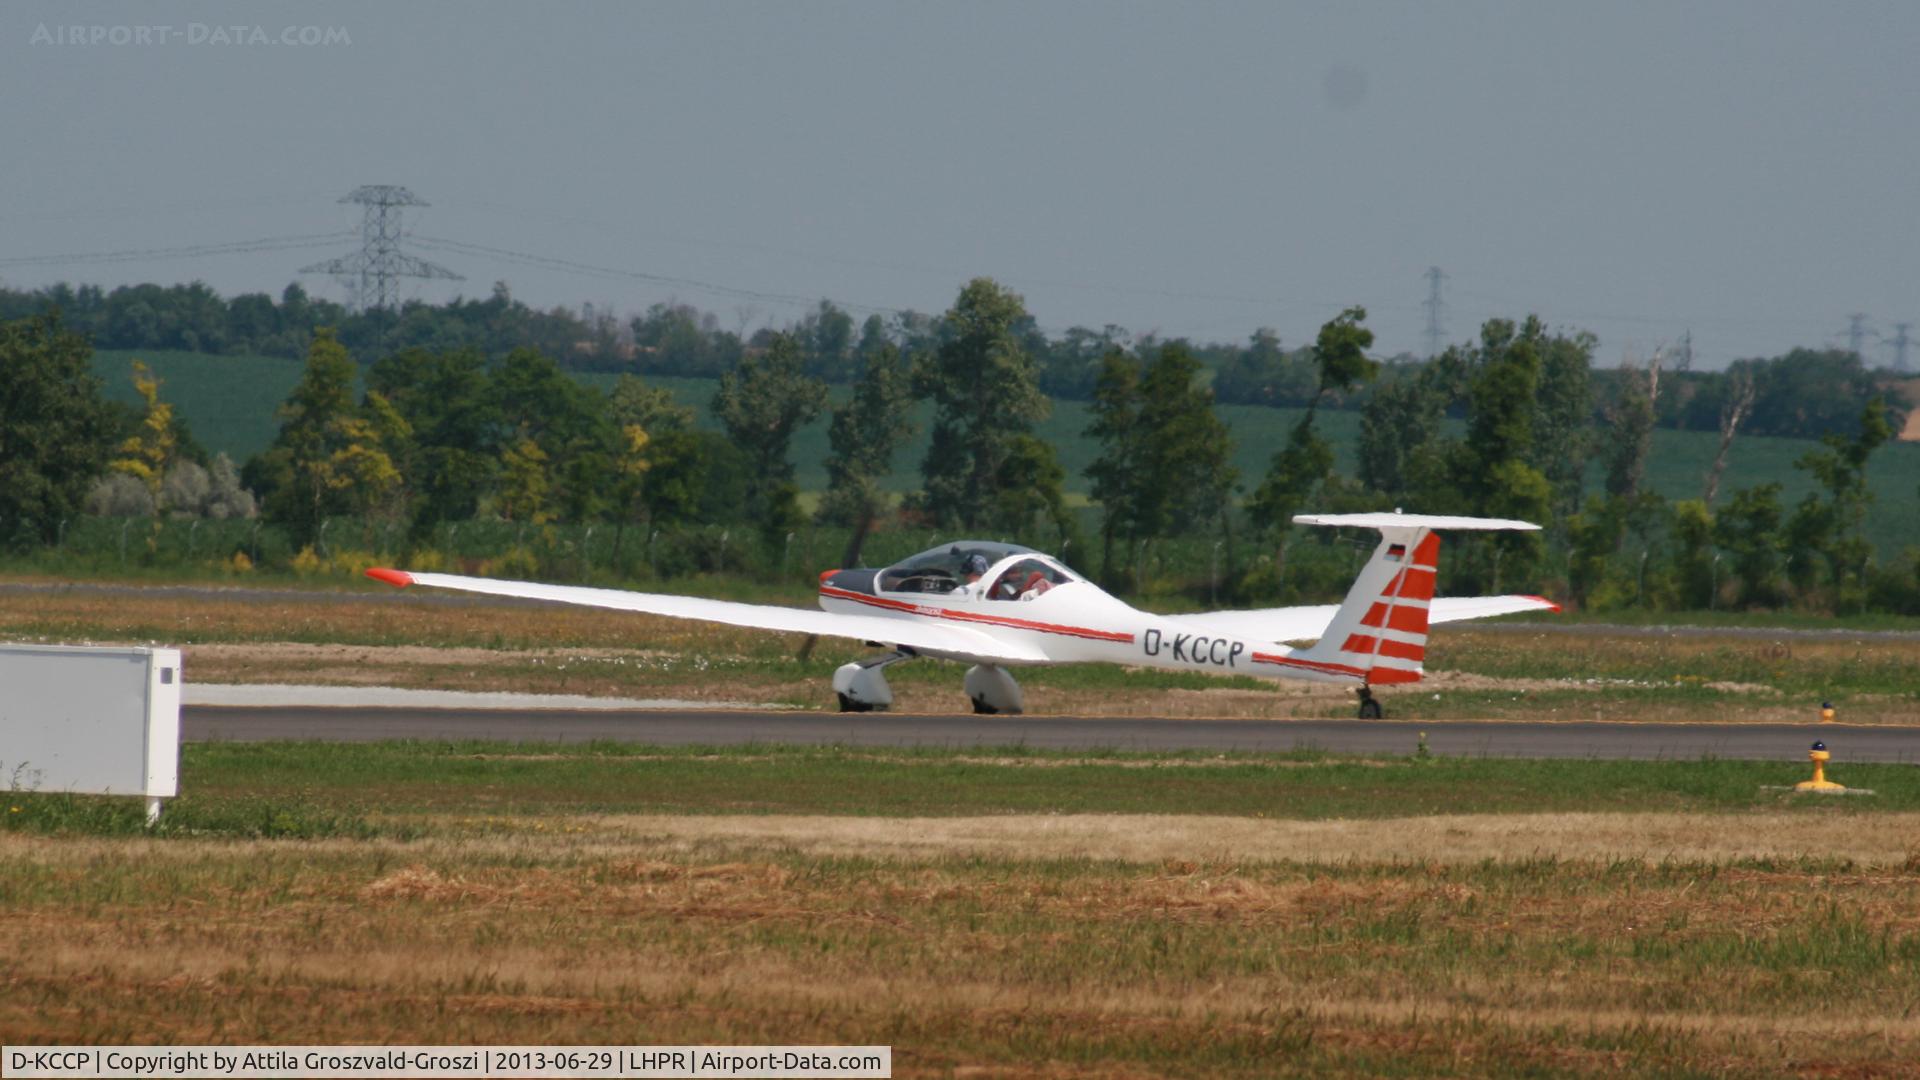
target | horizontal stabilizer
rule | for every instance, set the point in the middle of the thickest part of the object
(1309, 623)
(1397, 520)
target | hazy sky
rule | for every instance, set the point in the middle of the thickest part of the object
(1750, 171)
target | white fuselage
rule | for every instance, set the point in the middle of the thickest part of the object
(1078, 622)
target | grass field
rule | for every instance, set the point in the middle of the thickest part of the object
(1002, 913)
(230, 402)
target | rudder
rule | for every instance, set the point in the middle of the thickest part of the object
(1379, 632)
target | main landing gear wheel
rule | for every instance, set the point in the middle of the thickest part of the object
(1369, 708)
(993, 691)
(862, 686)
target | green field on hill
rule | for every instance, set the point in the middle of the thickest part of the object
(230, 403)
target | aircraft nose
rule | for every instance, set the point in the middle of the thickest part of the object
(860, 581)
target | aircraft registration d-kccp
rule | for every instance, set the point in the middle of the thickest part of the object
(998, 606)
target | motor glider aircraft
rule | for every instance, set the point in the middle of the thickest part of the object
(999, 606)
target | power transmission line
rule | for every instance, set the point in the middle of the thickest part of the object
(437, 243)
(1434, 306)
(380, 264)
(1857, 333)
(186, 251)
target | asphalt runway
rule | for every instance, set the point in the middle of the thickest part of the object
(1784, 742)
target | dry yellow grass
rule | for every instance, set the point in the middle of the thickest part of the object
(1872, 841)
(1876, 840)
(991, 944)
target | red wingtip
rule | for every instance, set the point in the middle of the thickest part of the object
(1550, 604)
(399, 579)
(825, 574)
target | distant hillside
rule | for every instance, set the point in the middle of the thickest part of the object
(230, 403)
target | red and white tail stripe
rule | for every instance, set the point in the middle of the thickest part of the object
(1380, 631)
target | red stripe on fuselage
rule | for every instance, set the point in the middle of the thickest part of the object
(1378, 675)
(976, 617)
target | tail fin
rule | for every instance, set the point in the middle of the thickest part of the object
(1380, 629)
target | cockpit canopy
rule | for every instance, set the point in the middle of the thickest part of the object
(962, 562)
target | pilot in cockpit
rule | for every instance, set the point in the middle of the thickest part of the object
(975, 568)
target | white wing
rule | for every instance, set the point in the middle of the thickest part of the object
(921, 635)
(1308, 623)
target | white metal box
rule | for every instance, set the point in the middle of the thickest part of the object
(92, 720)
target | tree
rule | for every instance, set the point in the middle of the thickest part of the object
(1693, 556)
(1749, 530)
(226, 497)
(1299, 468)
(524, 482)
(645, 419)
(54, 427)
(295, 472)
(446, 399)
(1163, 468)
(1630, 422)
(149, 451)
(826, 336)
(1031, 499)
(1400, 420)
(1188, 477)
(1498, 479)
(1563, 414)
(1071, 366)
(985, 390)
(631, 463)
(1831, 526)
(651, 408)
(863, 436)
(362, 468)
(675, 339)
(1264, 374)
(762, 402)
(1114, 477)
(1739, 403)
(568, 421)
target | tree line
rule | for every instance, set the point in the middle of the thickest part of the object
(1504, 426)
(1803, 393)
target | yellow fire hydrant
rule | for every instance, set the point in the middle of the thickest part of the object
(1826, 712)
(1819, 756)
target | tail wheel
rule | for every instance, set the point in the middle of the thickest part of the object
(1369, 708)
